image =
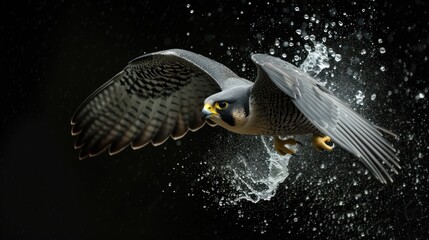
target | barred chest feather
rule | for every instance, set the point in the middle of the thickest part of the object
(277, 115)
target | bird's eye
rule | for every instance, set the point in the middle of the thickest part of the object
(221, 105)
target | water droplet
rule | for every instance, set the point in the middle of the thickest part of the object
(373, 96)
(277, 43)
(188, 5)
(420, 96)
(297, 9)
(382, 68)
(380, 40)
(363, 52)
(307, 47)
(284, 55)
(306, 16)
(333, 12)
(296, 57)
(192, 11)
(298, 31)
(337, 57)
(359, 97)
(272, 51)
(382, 50)
(295, 219)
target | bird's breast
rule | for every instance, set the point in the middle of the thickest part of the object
(276, 115)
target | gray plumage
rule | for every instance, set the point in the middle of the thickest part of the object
(154, 97)
(161, 95)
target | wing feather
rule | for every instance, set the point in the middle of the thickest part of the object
(167, 127)
(150, 129)
(155, 96)
(329, 115)
(181, 126)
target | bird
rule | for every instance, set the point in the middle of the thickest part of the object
(167, 93)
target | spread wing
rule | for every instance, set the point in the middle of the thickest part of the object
(329, 114)
(154, 97)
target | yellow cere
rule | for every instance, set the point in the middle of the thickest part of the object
(210, 108)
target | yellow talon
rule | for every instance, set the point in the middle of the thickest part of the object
(280, 147)
(319, 142)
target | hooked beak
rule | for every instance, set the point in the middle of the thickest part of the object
(208, 112)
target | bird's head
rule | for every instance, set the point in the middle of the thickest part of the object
(229, 108)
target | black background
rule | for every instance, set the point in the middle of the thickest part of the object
(53, 55)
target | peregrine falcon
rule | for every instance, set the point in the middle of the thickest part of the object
(167, 93)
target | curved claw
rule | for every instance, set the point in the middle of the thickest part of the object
(319, 143)
(279, 146)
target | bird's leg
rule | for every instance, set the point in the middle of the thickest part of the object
(280, 147)
(319, 142)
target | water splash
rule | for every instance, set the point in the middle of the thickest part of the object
(257, 176)
(317, 60)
